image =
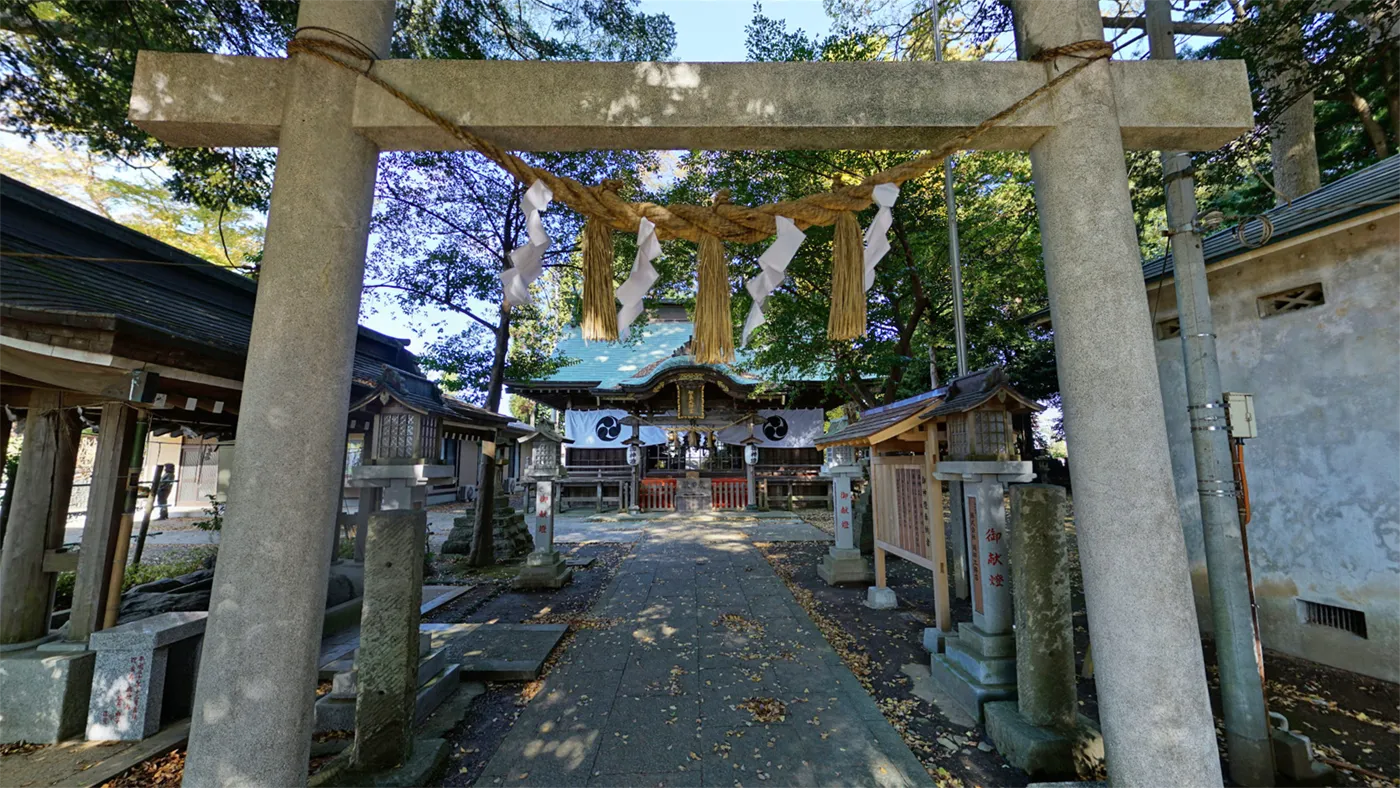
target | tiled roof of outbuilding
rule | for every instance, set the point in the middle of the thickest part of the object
(877, 420)
(61, 260)
(1359, 193)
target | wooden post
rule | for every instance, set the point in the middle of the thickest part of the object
(111, 480)
(42, 488)
(937, 532)
(115, 578)
(875, 525)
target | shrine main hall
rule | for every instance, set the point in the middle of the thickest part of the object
(651, 428)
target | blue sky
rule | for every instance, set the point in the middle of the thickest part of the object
(713, 30)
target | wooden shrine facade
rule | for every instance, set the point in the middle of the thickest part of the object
(669, 419)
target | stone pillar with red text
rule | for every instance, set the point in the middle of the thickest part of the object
(843, 563)
(978, 663)
(544, 567)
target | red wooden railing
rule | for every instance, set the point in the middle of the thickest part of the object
(729, 493)
(658, 494)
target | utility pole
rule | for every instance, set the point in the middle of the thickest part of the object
(957, 522)
(951, 202)
(1247, 742)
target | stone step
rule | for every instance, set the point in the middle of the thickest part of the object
(431, 665)
(983, 669)
(967, 692)
(1003, 645)
(438, 689)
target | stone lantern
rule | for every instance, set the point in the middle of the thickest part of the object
(405, 454)
(843, 562)
(542, 449)
(978, 664)
(544, 566)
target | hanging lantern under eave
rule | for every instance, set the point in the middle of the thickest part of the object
(751, 454)
(634, 455)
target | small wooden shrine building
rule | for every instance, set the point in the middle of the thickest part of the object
(977, 417)
(644, 418)
(907, 504)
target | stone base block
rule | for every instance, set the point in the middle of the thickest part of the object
(544, 570)
(988, 645)
(965, 691)
(336, 712)
(438, 689)
(45, 695)
(877, 598)
(1043, 753)
(1293, 759)
(510, 536)
(499, 652)
(933, 640)
(424, 766)
(845, 566)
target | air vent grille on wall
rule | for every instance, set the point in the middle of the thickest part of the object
(1353, 621)
(1291, 300)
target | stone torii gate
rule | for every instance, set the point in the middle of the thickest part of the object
(252, 714)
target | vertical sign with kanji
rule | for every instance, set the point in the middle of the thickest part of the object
(972, 542)
(544, 516)
(996, 558)
(845, 537)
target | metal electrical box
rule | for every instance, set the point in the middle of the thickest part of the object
(1239, 412)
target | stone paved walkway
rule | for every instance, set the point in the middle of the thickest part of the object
(655, 698)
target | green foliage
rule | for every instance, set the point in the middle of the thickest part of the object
(67, 65)
(139, 200)
(214, 515)
(1346, 53)
(910, 305)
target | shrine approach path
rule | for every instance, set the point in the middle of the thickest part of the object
(696, 668)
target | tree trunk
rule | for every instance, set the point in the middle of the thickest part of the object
(1373, 128)
(483, 549)
(1392, 90)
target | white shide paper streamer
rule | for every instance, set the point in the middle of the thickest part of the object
(772, 265)
(641, 279)
(877, 241)
(527, 260)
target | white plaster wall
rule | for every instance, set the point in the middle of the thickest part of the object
(1324, 473)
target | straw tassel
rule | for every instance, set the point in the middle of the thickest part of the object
(847, 317)
(599, 301)
(714, 322)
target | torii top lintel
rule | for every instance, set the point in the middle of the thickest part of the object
(219, 101)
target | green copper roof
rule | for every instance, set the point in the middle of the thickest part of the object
(635, 362)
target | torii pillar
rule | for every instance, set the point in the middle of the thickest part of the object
(251, 722)
(1150, 674)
